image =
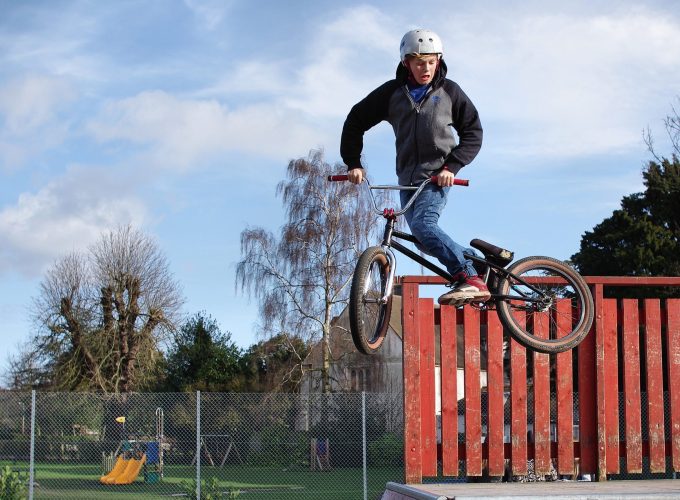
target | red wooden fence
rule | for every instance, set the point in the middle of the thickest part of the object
(633, 349)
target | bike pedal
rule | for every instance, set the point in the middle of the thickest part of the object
(482, 306)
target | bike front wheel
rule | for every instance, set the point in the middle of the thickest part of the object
(369, 315)
(545, 305)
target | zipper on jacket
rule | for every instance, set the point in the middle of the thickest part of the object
(416, 107)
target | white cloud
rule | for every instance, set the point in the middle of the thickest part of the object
(569, 85)
(53, 41)
(254, 76)
(184, 133)
(329, 68)
(350, 56)
(30, 117)
(549, 82)
(209, 12)
(29, 103)
(68, 213)
(285, 106)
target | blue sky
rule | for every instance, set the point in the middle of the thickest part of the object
(180, 117)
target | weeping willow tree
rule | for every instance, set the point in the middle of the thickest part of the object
(301, 278)
(100, 317)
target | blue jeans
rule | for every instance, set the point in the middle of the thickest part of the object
(422, 218)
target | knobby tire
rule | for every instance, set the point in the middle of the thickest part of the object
(369, 318)
(548, 329)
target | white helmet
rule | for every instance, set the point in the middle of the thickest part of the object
(420, 42)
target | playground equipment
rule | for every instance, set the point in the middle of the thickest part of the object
(153, 470)
(217, 440)
(126, 470)
(136, 455)
(118, 468)
(320, 454)
(153, 467)
(130, 472)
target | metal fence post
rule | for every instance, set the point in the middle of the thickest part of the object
(31, 465)
(198, 444)
(363, 432)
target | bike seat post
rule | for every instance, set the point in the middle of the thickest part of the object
(389, 229)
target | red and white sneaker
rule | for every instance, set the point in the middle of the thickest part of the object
(471, 289)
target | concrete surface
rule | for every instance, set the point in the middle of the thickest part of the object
(654, 489)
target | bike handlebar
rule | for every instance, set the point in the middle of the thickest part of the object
(433, 179)
(417, 190)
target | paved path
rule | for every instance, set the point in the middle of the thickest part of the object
(653, 489)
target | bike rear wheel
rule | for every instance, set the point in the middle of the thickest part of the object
(553, 312)
(369, 317)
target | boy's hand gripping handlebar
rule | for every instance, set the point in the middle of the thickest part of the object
(433, 179)
(417, 190)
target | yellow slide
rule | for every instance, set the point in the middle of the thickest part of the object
(131, 471)
(119, 467)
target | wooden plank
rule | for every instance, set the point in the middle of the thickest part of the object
(413, 472)
(673, 349)
(600, 418)
(428, 421)
(541, 399)
(495, 393)
(449, 377)
(611, 385)
(587, 387)
(631, 281)
(473, 400)
(518, 404)
(631, 385)
(654, 382)
(565, 399)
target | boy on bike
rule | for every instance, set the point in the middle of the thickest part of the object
(422, 105)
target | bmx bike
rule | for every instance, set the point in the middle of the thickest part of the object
(542, 302)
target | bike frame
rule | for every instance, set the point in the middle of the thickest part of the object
(388, 244)
(374, 277)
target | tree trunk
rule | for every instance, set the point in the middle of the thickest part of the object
(326, 362)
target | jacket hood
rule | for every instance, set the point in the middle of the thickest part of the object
(402, 73)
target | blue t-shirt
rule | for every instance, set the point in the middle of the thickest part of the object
(418, 92)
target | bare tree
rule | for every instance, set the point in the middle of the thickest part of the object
(301, 278)
(101, 315)
(672, 125)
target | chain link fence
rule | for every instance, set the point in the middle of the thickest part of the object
(191, 445)
(273, 446)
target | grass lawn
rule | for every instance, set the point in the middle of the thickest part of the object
(71, 482)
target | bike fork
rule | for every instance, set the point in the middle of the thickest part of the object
(392, 260)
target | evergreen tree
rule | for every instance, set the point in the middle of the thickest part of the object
(642, 238)
(203, 358)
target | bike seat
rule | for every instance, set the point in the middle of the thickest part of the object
(497, 255)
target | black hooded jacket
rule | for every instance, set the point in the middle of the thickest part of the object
(424, 138)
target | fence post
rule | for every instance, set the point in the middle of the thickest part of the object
(413, 454)
(31, 465)
(363, 433)
(198, 444)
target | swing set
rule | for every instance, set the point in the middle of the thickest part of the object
(217, 441)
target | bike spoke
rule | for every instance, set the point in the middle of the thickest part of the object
(537, 293)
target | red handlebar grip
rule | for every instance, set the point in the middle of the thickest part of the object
(335, 178)
(456, 181)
